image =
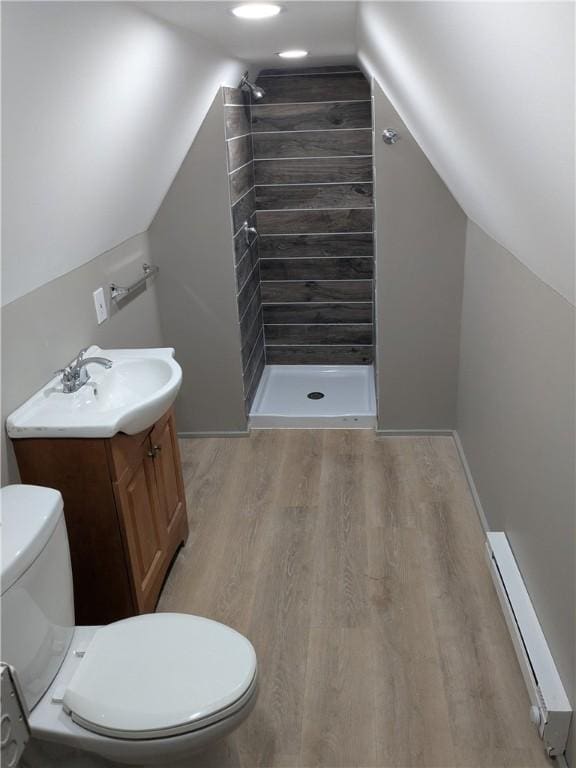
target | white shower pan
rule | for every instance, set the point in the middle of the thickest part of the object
(343, 397)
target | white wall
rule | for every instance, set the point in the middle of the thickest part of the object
(487, 90)
(101, 102)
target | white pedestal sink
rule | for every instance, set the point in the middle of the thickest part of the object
(128, 397)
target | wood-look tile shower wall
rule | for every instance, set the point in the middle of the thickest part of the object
(312, 141)
(242, 201)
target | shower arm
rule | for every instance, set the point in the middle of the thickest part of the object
(256, 91)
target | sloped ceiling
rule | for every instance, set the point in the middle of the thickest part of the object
(101, 102)
(487, 89)
(323, 27)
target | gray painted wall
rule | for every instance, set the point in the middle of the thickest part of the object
(420, 241)
(191, 241)
(516, 422)
(43, 330)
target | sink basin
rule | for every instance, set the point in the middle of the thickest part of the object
(128, 397)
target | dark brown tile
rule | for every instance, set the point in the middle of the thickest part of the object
(250, 338)
(313, 143)
(233, 95)
(325, 87)
(252, 361)
(246, 265)
(241, 245)
(317, 313)
(237, 121)
(316, 269)
(330, 69)
(241, 181)
(313, 169)
(318, 246)
(248, 291)
(320, 355)
(239, 152)
(284, 292)
(306, 222)
(243, 210)
(318, 334)
(309, 196)
(252, 311)
(308, 117)
(250, 387)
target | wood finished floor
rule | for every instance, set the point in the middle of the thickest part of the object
(355, 565)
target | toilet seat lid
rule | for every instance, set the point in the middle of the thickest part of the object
(159, 674)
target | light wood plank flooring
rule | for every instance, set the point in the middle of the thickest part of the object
(355, 564)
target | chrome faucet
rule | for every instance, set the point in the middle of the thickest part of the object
(75, 375)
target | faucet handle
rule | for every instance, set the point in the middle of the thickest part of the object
(75, 360)
(81, 354)
(66, 373)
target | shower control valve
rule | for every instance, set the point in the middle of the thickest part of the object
(249, 232)
(390, 136)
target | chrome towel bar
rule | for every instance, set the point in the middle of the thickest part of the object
(118, 293)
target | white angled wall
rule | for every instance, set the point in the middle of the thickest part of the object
(100, 105)
(487, 90)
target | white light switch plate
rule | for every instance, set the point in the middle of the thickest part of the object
(100, 304)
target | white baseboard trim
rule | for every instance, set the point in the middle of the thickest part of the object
(414, 432)
(470, 480)
(235, 433)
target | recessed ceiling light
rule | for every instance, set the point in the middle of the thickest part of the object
(256, 10)
(295, 54)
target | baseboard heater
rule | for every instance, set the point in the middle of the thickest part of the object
(550, 711)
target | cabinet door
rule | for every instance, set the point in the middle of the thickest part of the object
(169, 480)
(79, 469)
(145, 536)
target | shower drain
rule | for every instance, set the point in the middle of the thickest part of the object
(315, 395)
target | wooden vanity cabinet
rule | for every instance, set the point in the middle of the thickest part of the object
(125, 513)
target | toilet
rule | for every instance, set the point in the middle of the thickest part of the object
(147, 690)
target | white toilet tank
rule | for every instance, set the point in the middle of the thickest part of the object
(37, 596)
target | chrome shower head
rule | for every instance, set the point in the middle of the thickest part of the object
(257, 92)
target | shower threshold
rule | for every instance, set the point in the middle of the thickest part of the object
(315, 397)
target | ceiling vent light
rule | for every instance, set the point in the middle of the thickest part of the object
(295, 54)
(256, 10)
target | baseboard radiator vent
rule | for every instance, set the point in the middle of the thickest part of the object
(550, 711)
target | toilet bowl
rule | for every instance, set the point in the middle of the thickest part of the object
(146, 690)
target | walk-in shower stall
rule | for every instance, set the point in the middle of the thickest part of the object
(299, 151)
